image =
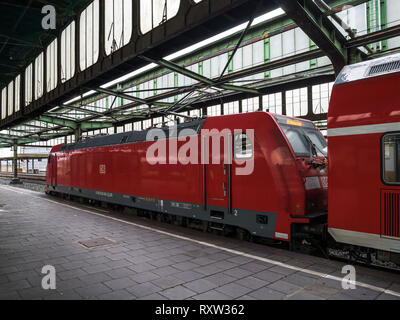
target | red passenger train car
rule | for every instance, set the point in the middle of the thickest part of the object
(364, 158)
(285, 190)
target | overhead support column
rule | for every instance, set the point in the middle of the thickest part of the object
(309, 17)
(15, 179)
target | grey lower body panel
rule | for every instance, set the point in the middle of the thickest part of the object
(258, 223)
(366, 240)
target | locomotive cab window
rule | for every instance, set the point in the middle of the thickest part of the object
(304, 138)
(243, 147)
(298, 143)
(391, 159)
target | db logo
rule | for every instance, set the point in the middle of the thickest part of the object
(103, 169)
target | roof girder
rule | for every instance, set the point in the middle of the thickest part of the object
(193, 75)
(59, 121)
(158, 107)
(309, 17)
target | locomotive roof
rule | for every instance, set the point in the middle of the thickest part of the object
(128, 137)
(369, 69)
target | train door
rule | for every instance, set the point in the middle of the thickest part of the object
(53, 170)
(390, 194)
(217, 177)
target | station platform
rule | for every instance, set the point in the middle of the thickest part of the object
(128, 258)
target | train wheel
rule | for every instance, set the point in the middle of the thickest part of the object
(159, 217)
(242, 235)
(184, 222)
(205, 226)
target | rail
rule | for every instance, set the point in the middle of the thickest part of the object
(24, 176)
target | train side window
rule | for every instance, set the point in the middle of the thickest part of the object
(391, 158)
(49, 161)
(243, 147)
(124, 139)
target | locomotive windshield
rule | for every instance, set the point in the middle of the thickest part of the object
(304, 138)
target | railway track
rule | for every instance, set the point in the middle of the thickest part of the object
(24, 176)
(341, 255)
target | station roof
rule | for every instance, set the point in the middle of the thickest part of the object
(22, 38)
(21, 35)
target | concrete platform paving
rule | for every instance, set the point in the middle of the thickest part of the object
(153, 261)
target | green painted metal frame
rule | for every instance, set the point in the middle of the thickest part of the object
(319, 28)
(263, 33)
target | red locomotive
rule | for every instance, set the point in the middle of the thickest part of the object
(285, 194)
(285, 189)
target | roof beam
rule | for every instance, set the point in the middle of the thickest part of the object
(374, 37)
(86, 111)
(309, 17)
(343, 6)
(188, 73)
(95, 125)
(9, 137)
(126, 97)
(25, 141)
(121, 95)
(19, 141)
(59, 121)
(33, 126)
(5, 140)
